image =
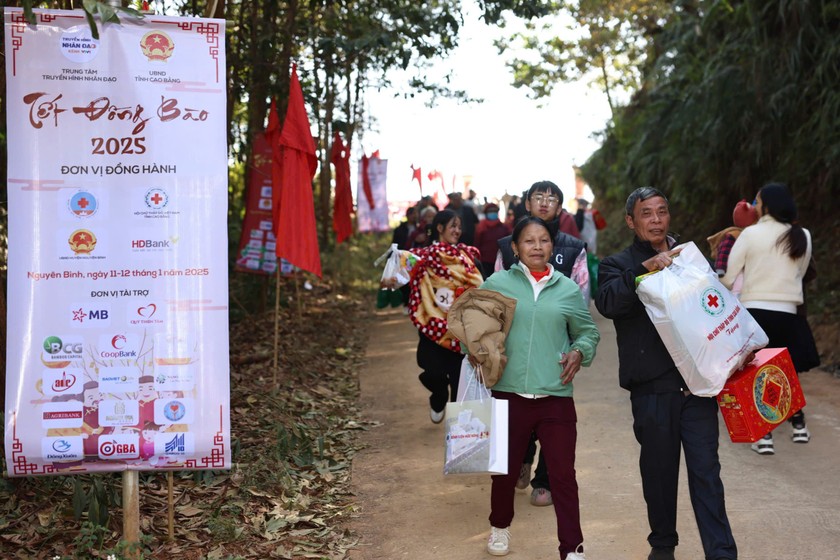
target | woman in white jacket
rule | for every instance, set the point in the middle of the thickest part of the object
(774, 254)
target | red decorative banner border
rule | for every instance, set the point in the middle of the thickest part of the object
(216, 459)
(209, 29)
(19, 20)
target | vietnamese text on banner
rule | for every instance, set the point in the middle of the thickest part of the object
(117, 281)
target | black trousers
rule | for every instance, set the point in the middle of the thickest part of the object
(663, 424)
(540, 479)
(441, 371)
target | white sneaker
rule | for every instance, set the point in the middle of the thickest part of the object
(437, 417)
(764, 446)
(800, 433)
(498, 544)
(577, 554)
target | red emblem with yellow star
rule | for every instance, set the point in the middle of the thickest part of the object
(82, 241)
(157, 45)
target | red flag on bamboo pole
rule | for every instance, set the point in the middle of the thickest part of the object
(416, 173)
(343, 206)
(294, 208)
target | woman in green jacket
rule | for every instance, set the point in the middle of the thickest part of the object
(537, 381)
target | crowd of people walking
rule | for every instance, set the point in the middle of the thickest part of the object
(545, 258)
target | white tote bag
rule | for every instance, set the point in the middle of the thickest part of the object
(706, 329)
(476, 430)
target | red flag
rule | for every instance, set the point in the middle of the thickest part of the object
(366, 181)
(439, 195)
(343, 207)
(294, 208)
(416, 173)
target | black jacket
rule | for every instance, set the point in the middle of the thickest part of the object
(566, 250)
(644, 364)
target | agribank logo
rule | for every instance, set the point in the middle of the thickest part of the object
(61, 415)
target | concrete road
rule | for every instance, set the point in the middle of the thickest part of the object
(781, 507)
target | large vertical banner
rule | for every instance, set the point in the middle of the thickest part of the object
(375, 218)
(117, 281)
(257, 243)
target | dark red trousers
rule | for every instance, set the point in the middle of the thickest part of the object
(555, 422)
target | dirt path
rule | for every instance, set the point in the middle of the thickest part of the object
(783, 507)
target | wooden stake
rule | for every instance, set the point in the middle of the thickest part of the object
(297, 296)
(131, 512)
(171, 501)
(276, 362)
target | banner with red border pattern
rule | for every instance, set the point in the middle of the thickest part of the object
(117, 347)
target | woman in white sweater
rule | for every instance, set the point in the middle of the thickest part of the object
(774, 254)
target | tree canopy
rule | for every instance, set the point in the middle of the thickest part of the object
(724, 96)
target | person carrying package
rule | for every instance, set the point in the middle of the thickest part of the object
(720, 244)
(545, 200)
(551, 336)
(445, 269)
(666, 416)
(773, 256)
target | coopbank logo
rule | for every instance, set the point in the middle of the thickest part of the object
(119, 346)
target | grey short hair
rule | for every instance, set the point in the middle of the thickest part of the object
(642, 193)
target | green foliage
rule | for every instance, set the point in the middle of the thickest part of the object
(608, 43)
(89, 538)
(740, 93)
(102, 494)
(106, 12)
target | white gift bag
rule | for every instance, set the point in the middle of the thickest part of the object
(476, 430)
(705, 328)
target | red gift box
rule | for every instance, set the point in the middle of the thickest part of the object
(761, 396)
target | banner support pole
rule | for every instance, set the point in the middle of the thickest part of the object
(276, 327)
(131, 512)
(171, 503)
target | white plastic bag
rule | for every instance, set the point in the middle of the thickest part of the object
(397, 271)
(476, 428)
(705, 328)
(471, 384)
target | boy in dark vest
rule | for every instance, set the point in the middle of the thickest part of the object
(545, 200)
